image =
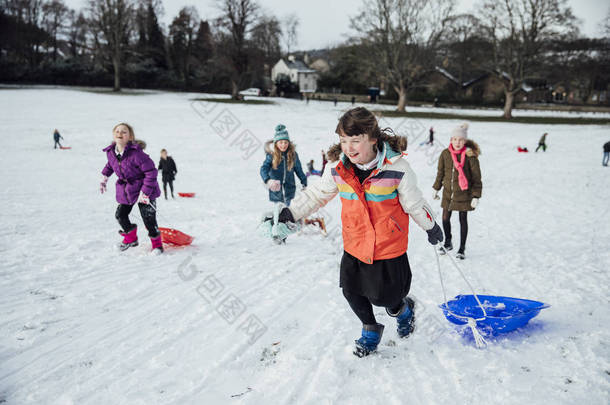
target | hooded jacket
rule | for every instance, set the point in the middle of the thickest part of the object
(285, 176)
(168, 169)
(375, 213)
(454, 198)
(136, 171)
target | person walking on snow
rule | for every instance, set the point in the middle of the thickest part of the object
(324, 161)
(459, 175)
(606, 154)
(56, 138)
(280, 165)
(542, 142)
(379, 194)
(168, 169)
(137, 183)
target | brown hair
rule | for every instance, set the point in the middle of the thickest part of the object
(359, 121)
(163, 150)
(290, 156)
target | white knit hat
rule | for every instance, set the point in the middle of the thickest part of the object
(461, 131)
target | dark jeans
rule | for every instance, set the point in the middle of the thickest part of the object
(541, 145)
(606, 158)
(149, 216)
(363, 307)
(171, 187)
(463, 227)
(57, 143)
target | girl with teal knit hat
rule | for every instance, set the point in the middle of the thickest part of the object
(280, 165)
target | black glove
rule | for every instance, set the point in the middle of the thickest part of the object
(286, 216)
(435, 235)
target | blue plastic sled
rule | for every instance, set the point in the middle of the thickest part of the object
(504, 314)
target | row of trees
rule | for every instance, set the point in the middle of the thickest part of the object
(399, 43)
(402, 41)
(122, 41)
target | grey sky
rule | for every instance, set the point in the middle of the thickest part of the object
(326, 22)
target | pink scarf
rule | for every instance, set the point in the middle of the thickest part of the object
(459, 166)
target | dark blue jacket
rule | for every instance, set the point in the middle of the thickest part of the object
(286, 177)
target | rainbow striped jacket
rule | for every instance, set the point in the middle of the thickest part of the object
(374, 214)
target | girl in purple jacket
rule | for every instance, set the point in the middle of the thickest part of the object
(137, 183)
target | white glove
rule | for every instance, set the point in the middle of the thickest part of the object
(273, 185)
(103, 184)
(435, 195)
(143, 198)
(474, 202)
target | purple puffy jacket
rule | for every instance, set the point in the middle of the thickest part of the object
(136, 171)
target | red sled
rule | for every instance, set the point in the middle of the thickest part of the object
(520, 149)
(175, 237)
(65, 147)
(187, 195)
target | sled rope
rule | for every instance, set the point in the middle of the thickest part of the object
(159, 215)
(471, 322)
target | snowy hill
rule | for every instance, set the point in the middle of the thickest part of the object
(236, 319)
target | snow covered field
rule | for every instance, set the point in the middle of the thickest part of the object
(235, 319)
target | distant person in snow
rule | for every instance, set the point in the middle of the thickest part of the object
(606, 154)
(168, 169)
(137, 183)
(56, 138)
(379, 196)
(280, 165)
(430, 140)
(542, 142)
(459, 175)
(311, 171)
(324, 160)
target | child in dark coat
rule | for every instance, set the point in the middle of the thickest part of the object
(168, 172)
(280, 165)
(137, 183)
(56, 138)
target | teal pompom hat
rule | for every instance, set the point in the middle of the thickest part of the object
(280, 133)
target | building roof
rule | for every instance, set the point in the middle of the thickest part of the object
(298, 65)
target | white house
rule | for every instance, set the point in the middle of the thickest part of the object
(298, 72)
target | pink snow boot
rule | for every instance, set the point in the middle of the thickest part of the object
(130, 239)
(157, 244)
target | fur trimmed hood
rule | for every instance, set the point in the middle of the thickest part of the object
(269, 147)
(472, 148)
(334, 152)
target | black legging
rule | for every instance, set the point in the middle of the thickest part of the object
(363, 307)
(171, 187)
(463, 227)
(149, 217)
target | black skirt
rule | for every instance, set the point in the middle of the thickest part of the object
(384, 282)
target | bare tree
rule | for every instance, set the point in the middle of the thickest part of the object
(77, 33)
(403, 36)
(114, 20)
(604, 25)
(55, 16)
(237, 16)
(183, 33)
(265, 39)
(290, 32)
(518, 30)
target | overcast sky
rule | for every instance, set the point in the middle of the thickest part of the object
(326, 22)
